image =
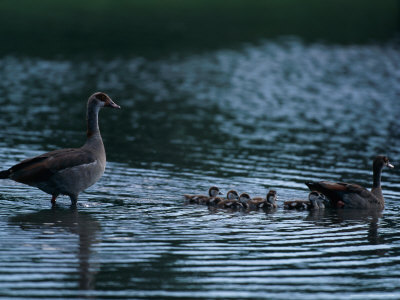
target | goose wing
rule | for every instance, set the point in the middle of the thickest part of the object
(340, 192)
(42, 167)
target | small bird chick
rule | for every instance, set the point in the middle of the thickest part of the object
(269, 202)
(316, 200)
(213, 192)
(231, 201)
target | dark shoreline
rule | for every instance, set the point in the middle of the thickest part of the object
(153, 28)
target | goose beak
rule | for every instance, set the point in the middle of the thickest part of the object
(390, 165)
(112, 105)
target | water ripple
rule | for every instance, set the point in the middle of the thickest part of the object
(270, 115)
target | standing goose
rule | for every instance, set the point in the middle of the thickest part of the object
(67, 171)
(347, 195)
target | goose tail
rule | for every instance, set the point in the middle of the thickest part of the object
(5, 174)
(312, 185)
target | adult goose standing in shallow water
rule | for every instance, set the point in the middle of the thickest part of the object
(67, 171)
(349, 195)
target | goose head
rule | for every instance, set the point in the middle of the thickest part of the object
(100, 99)
(271, 197)
(317, 199)
(214, 191)
(381, 161)
(232, 195)
(244, 198)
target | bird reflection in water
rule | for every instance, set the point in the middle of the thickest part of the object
(351, 216)
(68, 220)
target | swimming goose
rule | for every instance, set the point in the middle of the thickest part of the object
(67, 171)
(213, 192)
(347, 195)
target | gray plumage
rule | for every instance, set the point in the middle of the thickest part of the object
(67, 171)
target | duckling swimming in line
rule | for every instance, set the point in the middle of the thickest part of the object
(316, 200)
(269, 202)
(213, 192)
(231, 201)
(244, 199)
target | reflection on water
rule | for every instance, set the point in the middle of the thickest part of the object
(340, 216)
(56, 223)
(271, 115)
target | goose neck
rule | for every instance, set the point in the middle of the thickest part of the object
(92, 117)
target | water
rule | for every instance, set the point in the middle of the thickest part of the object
(267, 115)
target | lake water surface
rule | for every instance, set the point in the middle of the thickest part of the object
(267, 115)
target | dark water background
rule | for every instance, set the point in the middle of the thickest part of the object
(270, 113)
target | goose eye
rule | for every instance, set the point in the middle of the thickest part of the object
(102, 97)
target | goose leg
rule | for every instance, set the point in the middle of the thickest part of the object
(53, 199)
(74, 199)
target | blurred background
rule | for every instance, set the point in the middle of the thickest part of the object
(156, 27)
(242, 94)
